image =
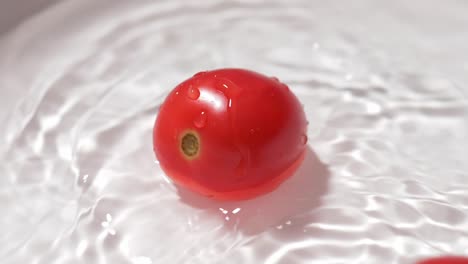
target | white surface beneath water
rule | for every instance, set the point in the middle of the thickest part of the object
(384, 85)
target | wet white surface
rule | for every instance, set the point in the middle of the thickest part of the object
(384, 86)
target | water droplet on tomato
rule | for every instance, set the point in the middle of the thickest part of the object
(304, 139)
(228, 88)
(275, 79)
(193, 93)
(200, 120)
(252, 131)
(199, 74)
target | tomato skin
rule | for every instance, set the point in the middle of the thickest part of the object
(446, 260)
(249, 132)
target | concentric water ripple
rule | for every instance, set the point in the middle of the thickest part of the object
(383, 85)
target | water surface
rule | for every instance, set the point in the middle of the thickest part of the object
(384, 86)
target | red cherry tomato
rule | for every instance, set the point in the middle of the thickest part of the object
(230, 134)
(445, 260)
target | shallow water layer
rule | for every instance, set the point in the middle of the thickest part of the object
(384, 86)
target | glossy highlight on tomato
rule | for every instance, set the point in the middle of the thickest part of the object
(445, 260)
(230, 134)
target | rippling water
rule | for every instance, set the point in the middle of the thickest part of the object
(383, 84)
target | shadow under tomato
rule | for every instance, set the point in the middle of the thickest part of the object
(299, 194)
